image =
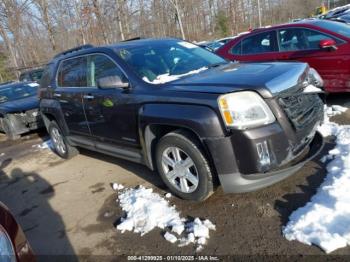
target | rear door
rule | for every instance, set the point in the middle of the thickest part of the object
(259, 47)
(71, 81)
(302, 44)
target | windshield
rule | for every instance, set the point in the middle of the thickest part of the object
(216, 45)
(13, 93)
(31, 75)
(161, 62)
(336, 27)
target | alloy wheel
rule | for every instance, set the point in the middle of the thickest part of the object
(180, 170)
(58, 141)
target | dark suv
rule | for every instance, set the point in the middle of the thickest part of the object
(185, 112)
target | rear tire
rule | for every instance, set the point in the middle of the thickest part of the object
(60, 143)
(183, 167)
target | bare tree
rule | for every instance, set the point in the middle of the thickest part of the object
(175, 3)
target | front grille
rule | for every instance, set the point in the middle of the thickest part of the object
(29, 117)
(302, 109)
(32, 115)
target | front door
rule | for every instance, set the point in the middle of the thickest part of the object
(111, 113)
(302, 44)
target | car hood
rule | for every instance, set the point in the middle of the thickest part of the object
(20, 105)
(269, 79)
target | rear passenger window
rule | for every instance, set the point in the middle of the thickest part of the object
(100, 66)
(72, 73)
(259, 43)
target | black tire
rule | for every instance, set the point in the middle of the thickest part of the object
(7, 126)
(189, 147)
(69, 150)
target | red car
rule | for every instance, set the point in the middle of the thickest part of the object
(323, 44)
(14, 246)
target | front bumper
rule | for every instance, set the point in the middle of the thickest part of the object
(238, 165)
(20, 123)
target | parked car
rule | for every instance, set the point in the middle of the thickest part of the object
(185, 112)
(323, 44)
(337, 12)
(212, 46)
(31, 75)
(6, 83)
(343, 18)
(14, 247)
(19, 109)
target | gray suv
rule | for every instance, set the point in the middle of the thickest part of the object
(195, 118)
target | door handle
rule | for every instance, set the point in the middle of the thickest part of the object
(88, 97)
(57, 95)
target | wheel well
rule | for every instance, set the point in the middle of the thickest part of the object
(47, 117)
(154, 132)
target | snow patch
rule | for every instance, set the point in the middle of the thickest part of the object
(170, 237)
(146, 210)
(168, 195)
(325, 220)
(33, 84)
(161, 79)
(312, 89)
(117, 186)
(45, 145)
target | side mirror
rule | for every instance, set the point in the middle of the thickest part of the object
(329, 44)
(111, 82)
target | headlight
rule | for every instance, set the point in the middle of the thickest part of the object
(315, 78)
(7, 252)
(245, 109)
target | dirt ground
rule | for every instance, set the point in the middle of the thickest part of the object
(69, 208)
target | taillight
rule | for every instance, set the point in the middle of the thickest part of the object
(7, 252)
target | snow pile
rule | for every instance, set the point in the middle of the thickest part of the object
(330, 128)
(161, 79)
(146, 210)
(45, 145)
(325, 220)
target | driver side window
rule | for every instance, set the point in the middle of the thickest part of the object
(100, 66)
(298, 39)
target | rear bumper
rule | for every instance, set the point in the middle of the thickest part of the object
(229, 165)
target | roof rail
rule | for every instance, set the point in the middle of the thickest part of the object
(131, 39)
(75, 49)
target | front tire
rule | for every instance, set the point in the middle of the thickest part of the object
(60, 143)
(183, 166)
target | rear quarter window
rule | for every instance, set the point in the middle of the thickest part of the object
(236, 49)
